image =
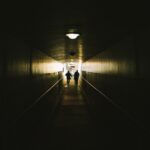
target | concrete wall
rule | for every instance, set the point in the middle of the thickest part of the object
(25, 74)
(122, 73)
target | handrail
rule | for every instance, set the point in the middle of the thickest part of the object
(110, 100)
(137, 122)
(38, 99)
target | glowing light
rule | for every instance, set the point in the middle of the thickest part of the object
(46, 67)
(72, 35)
(80, 66)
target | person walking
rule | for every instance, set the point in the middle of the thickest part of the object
(76, 77)
(68, 76)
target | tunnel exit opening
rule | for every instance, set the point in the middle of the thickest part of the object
(72, 67)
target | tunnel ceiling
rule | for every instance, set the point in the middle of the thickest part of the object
(42, 25)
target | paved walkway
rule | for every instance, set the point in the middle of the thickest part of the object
(74, 128)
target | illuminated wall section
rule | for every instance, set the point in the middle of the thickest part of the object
(121, 72)
(44, 66)
(45, 71)
(117, 61)
(25, 74)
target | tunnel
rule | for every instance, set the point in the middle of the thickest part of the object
(107, 109)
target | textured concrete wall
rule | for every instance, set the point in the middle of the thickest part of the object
(122, 73)
(25, 74)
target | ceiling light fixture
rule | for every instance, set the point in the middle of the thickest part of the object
(72, 35)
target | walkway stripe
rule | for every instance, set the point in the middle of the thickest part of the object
(140, 124)
(38, 99)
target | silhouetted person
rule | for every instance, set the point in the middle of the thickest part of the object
(76, 77)
(68, 76)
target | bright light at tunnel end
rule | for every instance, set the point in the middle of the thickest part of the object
(72, 35)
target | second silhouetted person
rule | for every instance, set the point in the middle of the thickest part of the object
(76, 77)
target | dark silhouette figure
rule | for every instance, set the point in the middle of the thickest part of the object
(68, 76)
(76, 77)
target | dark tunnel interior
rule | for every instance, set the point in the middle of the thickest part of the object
(112, 54)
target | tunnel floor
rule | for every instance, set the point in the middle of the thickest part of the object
(73, 127)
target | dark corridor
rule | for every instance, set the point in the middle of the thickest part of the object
(110, 106)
